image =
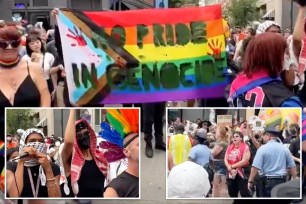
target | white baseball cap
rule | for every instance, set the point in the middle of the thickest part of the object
(262, 28)
(188, 180)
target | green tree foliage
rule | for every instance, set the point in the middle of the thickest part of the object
(242, 12)
(17, 119)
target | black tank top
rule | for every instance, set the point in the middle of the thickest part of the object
(27, 95)
(91, 181)
(126, 185)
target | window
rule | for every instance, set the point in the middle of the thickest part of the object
(81, 4)
(100, 115)
(86, 4)
(97, 116)
(37, 3)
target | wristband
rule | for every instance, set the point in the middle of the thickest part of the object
(53, 179)
(250, 182)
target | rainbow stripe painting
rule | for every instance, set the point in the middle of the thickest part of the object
(142, 56)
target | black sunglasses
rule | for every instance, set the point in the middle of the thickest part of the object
(14, 43)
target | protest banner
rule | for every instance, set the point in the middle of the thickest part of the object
(224, 120)
(143, 56)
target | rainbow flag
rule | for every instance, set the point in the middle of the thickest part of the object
(143, 55)
(2, 149)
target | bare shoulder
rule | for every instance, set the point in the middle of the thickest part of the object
(110, 193)
(35, 70)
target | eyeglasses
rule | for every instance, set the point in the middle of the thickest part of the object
(14, 43)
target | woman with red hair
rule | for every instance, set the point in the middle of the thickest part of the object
(260, 84)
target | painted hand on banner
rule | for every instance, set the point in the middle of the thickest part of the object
(216, 48)
(77, 36)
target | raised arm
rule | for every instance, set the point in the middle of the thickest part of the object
(298, 32)
(251, 136)
(68, 142)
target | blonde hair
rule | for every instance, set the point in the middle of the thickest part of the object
(224, 133)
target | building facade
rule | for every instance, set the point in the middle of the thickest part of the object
(5, 10)
(54, 121)
(283, 12)
(204, 114)
(39, 10)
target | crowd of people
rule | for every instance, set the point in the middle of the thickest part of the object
(236, 161)
(267, 64)
(80, 165)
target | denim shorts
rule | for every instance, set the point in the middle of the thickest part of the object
(220, 168)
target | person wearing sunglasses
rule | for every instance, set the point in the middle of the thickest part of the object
(21, 83)
(236, 158)
(85, 167)
(36, 53)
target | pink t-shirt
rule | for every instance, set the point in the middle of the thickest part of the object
(234, 155)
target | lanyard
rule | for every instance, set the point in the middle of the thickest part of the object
(35, 193)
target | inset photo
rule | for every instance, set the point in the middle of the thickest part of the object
(234, 153)
(72, 153)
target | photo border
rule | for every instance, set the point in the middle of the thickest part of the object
(233, 108)
(71, 198)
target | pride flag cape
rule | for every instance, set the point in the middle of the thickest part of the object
(143, 56)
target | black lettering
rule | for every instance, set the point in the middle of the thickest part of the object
(183, 68)
(99, 39)
(182, 34)
(142, 31)
(207, 71)
(150, 77)
(198, 32)
(158, 35)
(132, 80)
(118, 33)
(220, 63)
(198, 72)
(116, 77)
(169, 76)
(169, 35)
(89, 77)
(76, 74)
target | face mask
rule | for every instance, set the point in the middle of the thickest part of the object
(57, 144)
(293, 132)
(40, 147)
(83, 140)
